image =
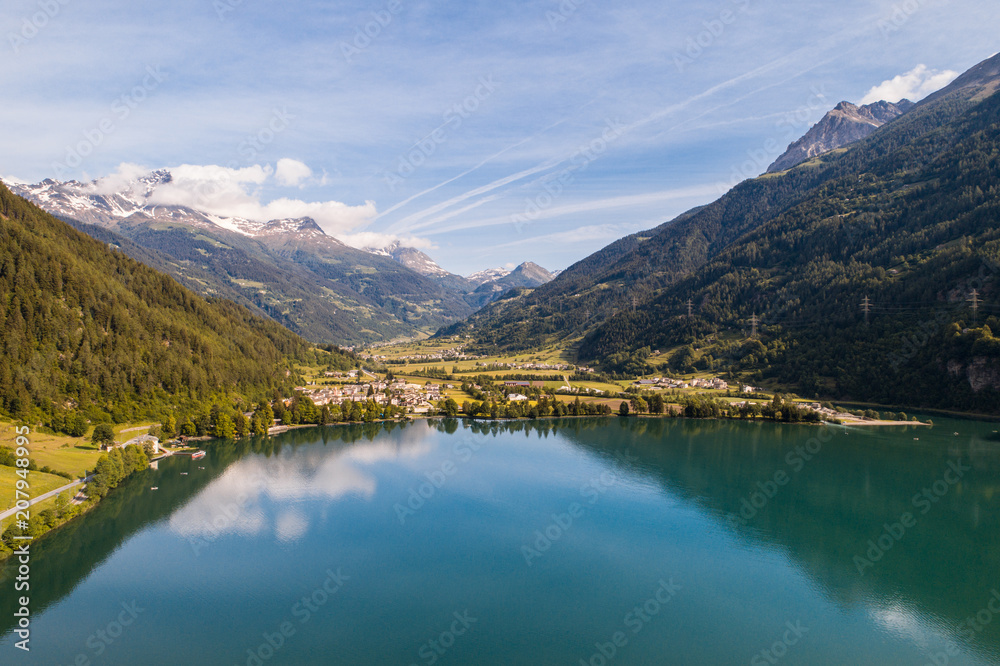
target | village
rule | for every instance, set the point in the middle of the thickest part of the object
(415, 398)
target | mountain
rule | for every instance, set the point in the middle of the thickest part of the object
(488, 275)
(495, 282)
(844, 125)
(288, 269)
(412, 258)
(88, 328)
(906, 221)
(477, 289)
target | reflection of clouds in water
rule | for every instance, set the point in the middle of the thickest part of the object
(232, 504)
(898, 619)
(290, 525)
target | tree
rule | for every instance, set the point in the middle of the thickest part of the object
(169, 427)
(77, 425)
(224, 427)
(623, 409)
(241, 424)
(104, 435)
(450, 408)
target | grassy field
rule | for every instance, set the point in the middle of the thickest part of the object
(38, 483)
(59, 452)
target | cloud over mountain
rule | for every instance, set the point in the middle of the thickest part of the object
(914, 85)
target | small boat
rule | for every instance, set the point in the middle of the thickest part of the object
(154, 487)
(201, 468)
(183, 473)
(197, 455)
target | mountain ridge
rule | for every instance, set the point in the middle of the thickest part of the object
(842, 126)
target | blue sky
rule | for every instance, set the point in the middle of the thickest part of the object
(486, 133)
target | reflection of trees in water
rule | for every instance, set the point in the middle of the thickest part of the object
(944, 567)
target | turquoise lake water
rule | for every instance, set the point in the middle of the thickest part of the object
(578, 541)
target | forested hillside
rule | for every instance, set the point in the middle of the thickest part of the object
(87, 329)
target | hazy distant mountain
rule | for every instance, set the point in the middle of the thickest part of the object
(488, 275)
(844, 125)
(410, 257)
(495, 282)
(288, 269)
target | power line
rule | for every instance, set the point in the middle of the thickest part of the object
(975, 305)
(866, 306)
(753, 324)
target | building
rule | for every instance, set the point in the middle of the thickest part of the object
(142, 440)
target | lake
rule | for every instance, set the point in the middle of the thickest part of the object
(577, 541)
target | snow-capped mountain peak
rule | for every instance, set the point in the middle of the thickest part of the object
(110, 201)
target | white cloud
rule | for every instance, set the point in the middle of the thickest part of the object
(914, 85)
(228, 192)
(366, 239)
(120, 181)
(291, 173)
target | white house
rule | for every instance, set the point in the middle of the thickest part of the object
(142, 440)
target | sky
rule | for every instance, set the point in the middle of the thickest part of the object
(484, 133)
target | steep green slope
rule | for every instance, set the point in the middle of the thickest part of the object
(87, 327)
(909, 219)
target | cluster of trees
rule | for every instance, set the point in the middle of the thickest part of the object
(707, 407)
(546, 406)
(114, 467)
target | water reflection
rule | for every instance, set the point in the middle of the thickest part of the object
(920, 592)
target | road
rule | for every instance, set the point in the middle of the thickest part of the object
(45, 496)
